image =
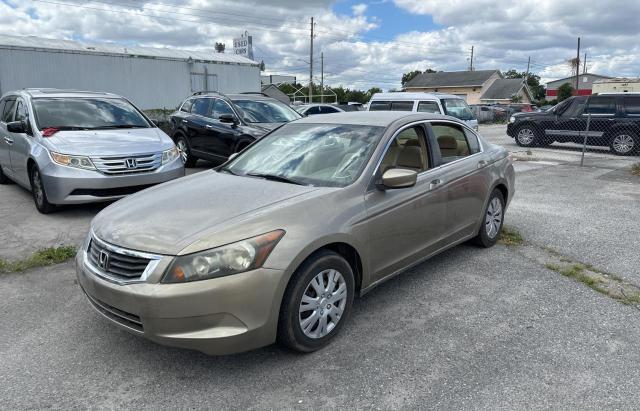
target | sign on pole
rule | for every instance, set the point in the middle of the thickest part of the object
(243, 45)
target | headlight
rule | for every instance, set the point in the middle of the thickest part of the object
(72, 161)
(170, 155)
(512, 119)
(229, 259)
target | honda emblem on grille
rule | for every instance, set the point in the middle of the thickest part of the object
(131, 163)
(103, 260)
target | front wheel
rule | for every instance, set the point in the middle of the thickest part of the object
(317, 302)
(624, 143)
(185, 152)
(39, 193)
(526, 136)
(493, 219)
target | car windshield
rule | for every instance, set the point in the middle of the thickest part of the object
(457, 108)
(266, 111)
(86, 113)
(326, 155)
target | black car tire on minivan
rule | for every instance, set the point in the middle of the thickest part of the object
(290, 332)
(527, 136)
(624, 143)
(39, 193)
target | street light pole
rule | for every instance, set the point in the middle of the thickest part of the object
(311, 65)
(322, 77)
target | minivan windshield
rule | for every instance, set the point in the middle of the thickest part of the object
(457, 108)
(326, 155)
(266, 111)
(76, 113)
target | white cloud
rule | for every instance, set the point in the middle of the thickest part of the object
(359, 9)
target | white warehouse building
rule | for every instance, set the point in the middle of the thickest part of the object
(151, 78)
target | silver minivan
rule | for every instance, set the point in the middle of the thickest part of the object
(71, 147)
(437, 103)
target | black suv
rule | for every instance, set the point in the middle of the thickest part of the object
(615, 122)
(212, 126)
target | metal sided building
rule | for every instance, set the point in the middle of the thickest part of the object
(150, 77)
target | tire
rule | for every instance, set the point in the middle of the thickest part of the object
(334, 310)
(39, 193)
(185, 151)
(527, 136)
(624, 143)
(3, 178)
(491, 227)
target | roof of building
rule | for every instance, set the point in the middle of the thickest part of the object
(581, 75)
(504, 89)
(46, 44)
(451, 79)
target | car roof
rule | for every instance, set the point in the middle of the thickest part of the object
(412, 96)
(373, 118)
(55, 92)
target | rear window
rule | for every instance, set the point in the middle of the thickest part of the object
(602, 105)
(632, 106)
(86, 113)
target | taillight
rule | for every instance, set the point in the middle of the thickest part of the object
(49, 131)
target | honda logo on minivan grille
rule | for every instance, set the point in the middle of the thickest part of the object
(103, 260)
(131, 163)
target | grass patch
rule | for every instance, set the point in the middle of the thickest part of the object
(40, 258)
(635, 169)
(510, 236)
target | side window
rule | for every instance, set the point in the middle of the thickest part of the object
(576, 108)
(21, 112)
(451, 141)
(408, 150)
(602, 105)
(186, 107)
(428, 107)
(2, 107)
(402, 106)
(201, 107)
(9, 108)
(221, 107)
(472, 139)
(327, 109)
(313, 110)
(380, 106)
(632, 106)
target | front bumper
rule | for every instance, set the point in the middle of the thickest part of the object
(219, 316)
(66, 185)
(511, 129)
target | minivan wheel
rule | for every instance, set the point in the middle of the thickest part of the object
(492, 221)
(624, 143)
(185, 152)
(316, 303)
(39, 193)
(526, 136)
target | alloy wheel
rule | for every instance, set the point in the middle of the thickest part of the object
(322, 304)
(493, 218)
(38, 190)
(183, 150)
(623, 143)
(526, 136)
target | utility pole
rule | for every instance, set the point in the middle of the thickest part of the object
(322, 77)
(526, 76)
(311, 65)
(471, 61)
(578, 67)
(584, 69)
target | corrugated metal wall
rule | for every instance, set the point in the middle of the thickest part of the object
(148, 82)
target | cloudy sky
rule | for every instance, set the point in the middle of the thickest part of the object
(364, 43)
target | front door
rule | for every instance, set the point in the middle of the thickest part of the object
(225, 133)
(569, 124)
(7, 109)
(198, 121)
(21, 146)
(407, 223)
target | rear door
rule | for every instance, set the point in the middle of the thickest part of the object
(602, 110)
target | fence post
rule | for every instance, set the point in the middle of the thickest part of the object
(586, 135)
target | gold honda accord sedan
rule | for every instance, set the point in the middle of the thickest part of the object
(275, 244)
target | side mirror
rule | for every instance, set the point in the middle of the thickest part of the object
(17, 127)
(228, 118)
(398, 178)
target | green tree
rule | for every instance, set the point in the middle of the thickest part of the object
(533, 81)
(407, 77)
(565, 91)
(219, 47)
(373, 90)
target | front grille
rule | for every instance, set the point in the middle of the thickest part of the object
(123, 165)
(109, 192)
(129, 320)
(118, 265)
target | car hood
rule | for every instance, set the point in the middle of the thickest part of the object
(167, 218)
(109, 142)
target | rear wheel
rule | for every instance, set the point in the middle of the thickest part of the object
(39, 193)
(185, 152)
(492, 221)
(625, 143)
(526, 136)
(317, 302)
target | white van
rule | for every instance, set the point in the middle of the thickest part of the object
(440, 103)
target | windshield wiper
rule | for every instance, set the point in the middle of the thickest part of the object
(118, 126)
(275, 177)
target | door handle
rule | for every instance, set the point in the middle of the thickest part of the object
(434, 183)
(209, 126)
(8, 140)
(481, 163)
(185, 121)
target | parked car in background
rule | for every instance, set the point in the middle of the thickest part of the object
(72, 147)
(212, 126)
(615, 122)
(276, 243)
(440, 103)
(313, 109)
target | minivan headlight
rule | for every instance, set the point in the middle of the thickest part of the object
(72, 161)
(170, 155)
(229, 259)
